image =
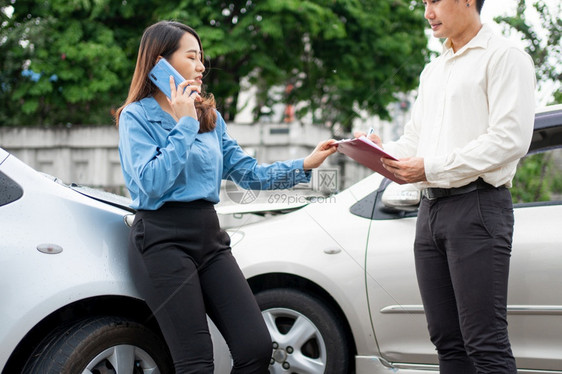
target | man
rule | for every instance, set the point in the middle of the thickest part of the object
(472, 121)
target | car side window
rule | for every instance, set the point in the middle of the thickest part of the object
(538, 179)
(10, 191)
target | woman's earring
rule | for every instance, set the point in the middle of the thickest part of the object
(467, 5)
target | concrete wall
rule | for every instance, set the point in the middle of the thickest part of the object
(88, 155)
(80, 154)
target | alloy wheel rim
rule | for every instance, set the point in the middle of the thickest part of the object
(298, 346)
(122, 359)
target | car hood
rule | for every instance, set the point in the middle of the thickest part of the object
(105, 197)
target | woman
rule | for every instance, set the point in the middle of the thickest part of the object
(174, 153)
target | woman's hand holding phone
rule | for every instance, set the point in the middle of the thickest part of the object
(183, 98)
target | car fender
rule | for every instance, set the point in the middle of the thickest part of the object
(290, 257)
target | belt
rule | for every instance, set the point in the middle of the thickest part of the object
(436, 193)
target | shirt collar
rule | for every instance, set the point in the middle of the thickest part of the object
(154, 113)
(480, 40)
(152, 109)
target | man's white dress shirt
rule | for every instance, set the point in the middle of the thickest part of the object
(474, 113)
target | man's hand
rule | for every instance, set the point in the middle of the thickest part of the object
(410, 170)
(372, 137)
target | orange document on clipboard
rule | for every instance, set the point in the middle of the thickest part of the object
(367, 153)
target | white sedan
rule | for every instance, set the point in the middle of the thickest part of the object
(335, 279)
(337, 286)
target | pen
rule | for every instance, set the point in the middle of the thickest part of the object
(371, 130)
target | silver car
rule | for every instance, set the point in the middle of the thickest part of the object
(69, 300)
(335, 279)
(337, 285)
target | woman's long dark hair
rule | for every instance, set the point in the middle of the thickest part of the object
(162, 39)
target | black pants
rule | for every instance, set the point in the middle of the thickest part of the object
(192, 272)
(462, 251)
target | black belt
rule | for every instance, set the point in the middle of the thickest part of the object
(436, 193)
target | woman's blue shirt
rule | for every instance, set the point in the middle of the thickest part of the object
(167, 161)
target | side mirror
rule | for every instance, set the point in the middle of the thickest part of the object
(401, 197)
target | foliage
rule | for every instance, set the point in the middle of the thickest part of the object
(381, 55)
(71, 61)
(65, 61)
(546, 53)
(537, 179)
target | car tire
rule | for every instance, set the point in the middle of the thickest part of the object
(307, 336)
(101, 345)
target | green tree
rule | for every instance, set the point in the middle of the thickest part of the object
(65, 61)
(545, 51)
(339, 56)
(537, 179)
(71, 61)
(534, 181)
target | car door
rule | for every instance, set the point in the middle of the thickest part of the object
(535, 285)
(535, 292)
(394, 299)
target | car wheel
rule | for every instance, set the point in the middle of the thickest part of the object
(307, 336)
(105, 345)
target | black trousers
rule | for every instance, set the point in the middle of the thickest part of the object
(462, 251)
(193, 273)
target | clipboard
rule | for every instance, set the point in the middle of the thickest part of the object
(368, 154)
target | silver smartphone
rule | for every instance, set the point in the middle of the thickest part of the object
(160, 75)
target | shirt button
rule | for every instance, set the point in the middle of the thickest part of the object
(297, 171)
